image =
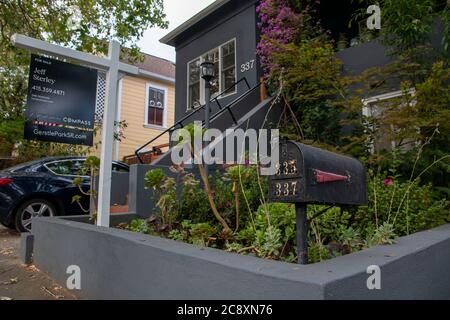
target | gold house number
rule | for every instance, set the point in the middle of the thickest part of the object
(287, 168)
(286, 189)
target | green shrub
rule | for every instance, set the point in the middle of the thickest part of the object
(383, 235)
(407, 206)
(268, 230)
(154, 179)
(165, 196)
(140, 226)
(272, 233)
(195, 206)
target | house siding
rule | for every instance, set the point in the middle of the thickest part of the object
(134, 95)
(239, 24)
(132, 111)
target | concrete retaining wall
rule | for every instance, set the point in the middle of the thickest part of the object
(117, 264)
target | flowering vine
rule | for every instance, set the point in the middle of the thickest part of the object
(279, 25)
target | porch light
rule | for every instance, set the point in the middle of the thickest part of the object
(207, 71)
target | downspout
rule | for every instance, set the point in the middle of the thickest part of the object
(118, 115)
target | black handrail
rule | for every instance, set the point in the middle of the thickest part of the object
(232, 103)
(196, 110)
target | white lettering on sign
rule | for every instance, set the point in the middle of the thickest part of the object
(40, 75)
(247, 66)
(48, 90)
(43, 79)
(71, 121)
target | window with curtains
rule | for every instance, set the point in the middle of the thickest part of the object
(156, 106)
(224, 59)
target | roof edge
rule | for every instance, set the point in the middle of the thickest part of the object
(170, 37)
(155, 76)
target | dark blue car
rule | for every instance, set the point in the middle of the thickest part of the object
(43, 187)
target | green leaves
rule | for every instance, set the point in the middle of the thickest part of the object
(78, 181)
(139, 225)
(154, 179)
(383, 235)
(92, 162)
(76, 199)
(406, 24)
(313, 87)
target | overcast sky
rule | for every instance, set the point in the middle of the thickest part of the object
(177, 11)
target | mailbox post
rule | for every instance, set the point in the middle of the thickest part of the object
(308, 175)
(302, 232)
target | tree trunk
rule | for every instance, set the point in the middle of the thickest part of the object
(211, 200)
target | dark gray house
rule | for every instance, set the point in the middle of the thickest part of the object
(226, 33)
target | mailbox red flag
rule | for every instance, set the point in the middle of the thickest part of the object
(326, 177)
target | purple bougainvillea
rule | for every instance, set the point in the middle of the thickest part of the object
(279, 25)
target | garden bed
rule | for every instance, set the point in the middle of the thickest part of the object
(231, 214)
(117, 264)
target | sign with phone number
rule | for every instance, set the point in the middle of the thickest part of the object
(61, 102)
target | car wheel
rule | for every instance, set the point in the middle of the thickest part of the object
(30, 210)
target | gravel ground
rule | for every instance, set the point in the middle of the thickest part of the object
(21, 282)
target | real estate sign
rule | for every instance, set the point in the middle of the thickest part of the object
(61, 102)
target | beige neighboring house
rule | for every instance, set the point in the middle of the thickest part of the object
(146, 104)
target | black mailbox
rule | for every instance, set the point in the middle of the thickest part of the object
(313, 176)
(307, 175)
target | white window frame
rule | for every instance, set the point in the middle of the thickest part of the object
(202, 86)
(367, 112)
(166, 106)
(202, 82)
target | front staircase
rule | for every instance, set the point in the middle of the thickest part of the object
(248, 111)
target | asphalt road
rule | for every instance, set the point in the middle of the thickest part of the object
(21, 282)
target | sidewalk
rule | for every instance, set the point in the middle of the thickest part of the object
(21, 282)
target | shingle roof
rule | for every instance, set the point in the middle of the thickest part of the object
(157, 65)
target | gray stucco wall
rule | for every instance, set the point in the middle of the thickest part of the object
(374, 54)
(141, 199)
(121, 265)
(119, 188)
(367, 55)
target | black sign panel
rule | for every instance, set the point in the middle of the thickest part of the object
(61, 102)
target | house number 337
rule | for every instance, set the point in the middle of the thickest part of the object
(286, 189)
(247, 66)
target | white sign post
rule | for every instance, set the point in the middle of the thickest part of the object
(109, 116)
(113, 67)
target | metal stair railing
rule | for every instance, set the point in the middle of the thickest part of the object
(232, 103)
(180, 123)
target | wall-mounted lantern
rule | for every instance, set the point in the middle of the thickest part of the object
(207, 72)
